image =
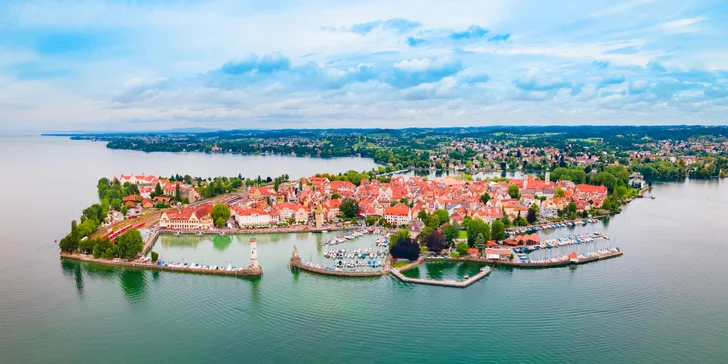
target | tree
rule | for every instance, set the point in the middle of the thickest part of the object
(513, 191)
(484, 198)
(100, 247)
(158, 190)
(399, 235)
(176, 193)
(442, 215)
(611, 203)
(424, 234)
(435, 241)
(220, 214)
(432, 221)
(276, 184)
(498, 230)
(476, 227)
(559, 192)
(462, 249)
(155, 256)
(422, 215)
(124, 210)
(605, 179)
(371, 220)
(480, 241)
(405, 248)
(532, 214)
(451, 232)
(349, 208)
(129, 244)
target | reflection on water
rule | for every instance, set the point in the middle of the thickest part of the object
(134, 284)
(221, 243)
(443, 270)
(72, 270)
(133, 281)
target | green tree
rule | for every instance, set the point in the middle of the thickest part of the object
(129, 244)
(498, 230)
(480, 241)
(559, 192)
(220, 214)
(422, 215)
(513, 191)
(401, 234)
(532, 215)
(462, 249)
(276, 184)
(371, 220)
(451, 232)
(605, 179)
(155, 256)
(100, 247)
(476, 227)
(158, 190)
(335, 196)
(424, 234)
(611, 203)
(443, 216)
(124, 210)
(177, 193)
(484, 198)
(349, 208)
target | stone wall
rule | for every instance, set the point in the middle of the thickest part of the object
(248, 272)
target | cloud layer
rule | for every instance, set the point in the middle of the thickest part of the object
(106, 65)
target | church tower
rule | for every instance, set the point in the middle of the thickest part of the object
(253, 253)
(319, 216)
(548, 176)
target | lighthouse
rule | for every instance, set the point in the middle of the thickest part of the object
(253, 253)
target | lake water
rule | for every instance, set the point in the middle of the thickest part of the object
(664, 301)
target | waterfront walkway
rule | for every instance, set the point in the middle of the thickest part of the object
(434, 282)
(247, 272)
(296, 262)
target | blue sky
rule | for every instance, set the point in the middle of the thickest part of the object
(143, 65)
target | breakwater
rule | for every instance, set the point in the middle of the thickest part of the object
(296, 262)
(434, 282)
(246, 272)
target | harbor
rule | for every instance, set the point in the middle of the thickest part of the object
(467, 281)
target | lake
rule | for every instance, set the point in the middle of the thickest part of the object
(664, 301)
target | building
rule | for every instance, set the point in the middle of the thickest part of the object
(187, 218)
(398, 214)
(636, 180)
(245, 216)
(319, 217)
(499, 254)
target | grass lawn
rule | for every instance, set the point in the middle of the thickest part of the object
(463, 234)
(400, 264)
(454, 255)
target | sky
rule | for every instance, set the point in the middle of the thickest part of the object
(119, 65)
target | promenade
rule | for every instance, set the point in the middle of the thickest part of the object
(246, 272)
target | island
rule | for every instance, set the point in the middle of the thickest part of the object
(473, 212)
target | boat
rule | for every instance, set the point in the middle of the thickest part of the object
(177, 233)
(652, 197)
(198, 233)
(222, 233)
(466, 276)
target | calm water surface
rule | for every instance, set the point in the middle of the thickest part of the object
(664, 301)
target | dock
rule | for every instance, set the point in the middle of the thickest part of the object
(296, 263)
(445, 282)
(248, 272)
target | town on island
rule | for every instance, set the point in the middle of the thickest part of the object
(465, 215)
